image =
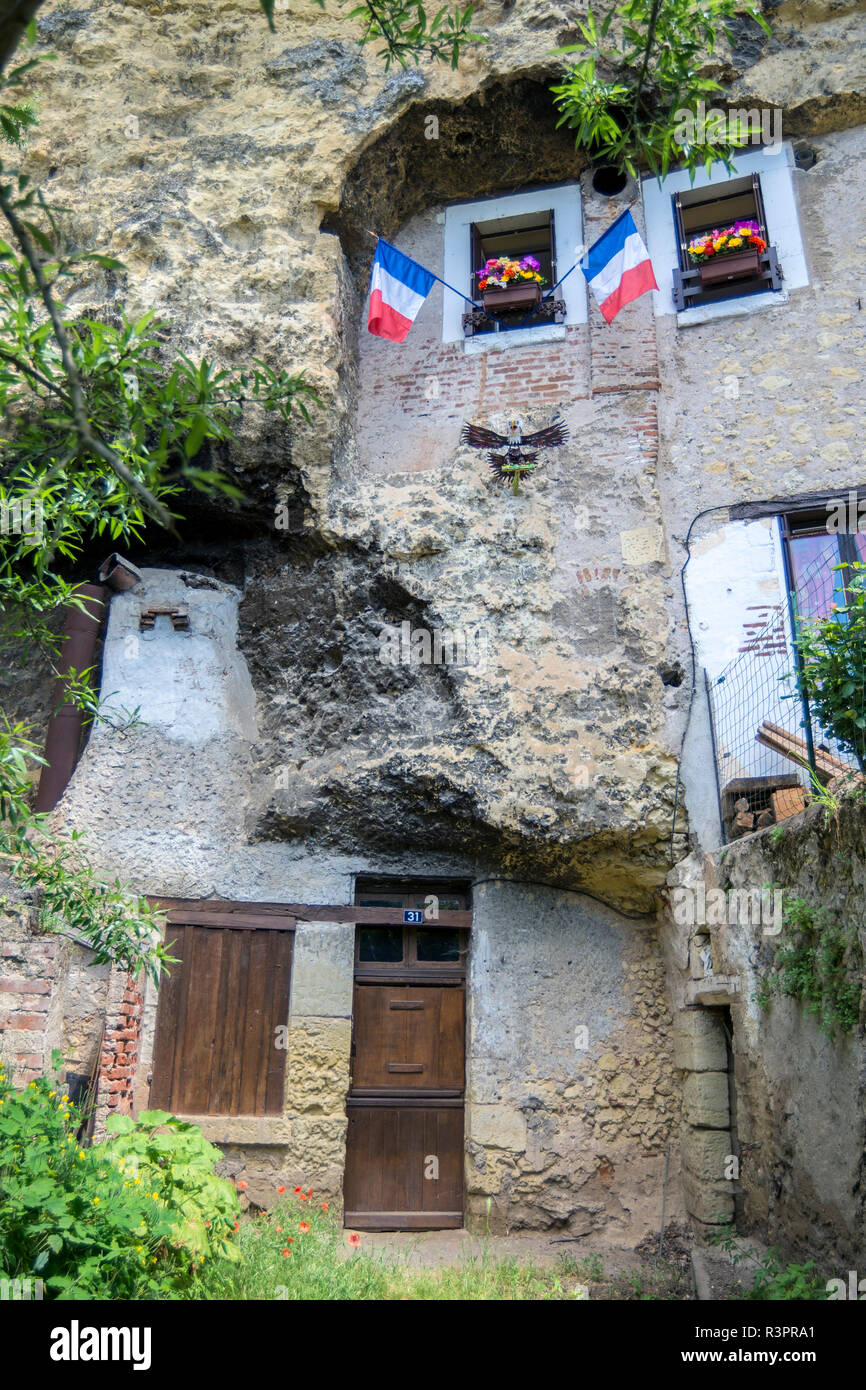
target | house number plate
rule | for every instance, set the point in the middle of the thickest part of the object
(412, 915)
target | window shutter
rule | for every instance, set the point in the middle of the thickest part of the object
(680, 230)
(759, 205)
(217, 1012)
(552, 249)
(474, 260)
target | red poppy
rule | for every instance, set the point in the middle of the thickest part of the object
(302, 1196)
(281, 1189)
(207, 1223)
(236, 1227)
(279, 1229)
(310, 1192)
(304, 1227)
(354, 1238)
(287, 1252)
(297, 1190)
(241, 1186)
(324, 1206)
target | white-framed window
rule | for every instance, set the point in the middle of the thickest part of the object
(548, 223)
(760, 188)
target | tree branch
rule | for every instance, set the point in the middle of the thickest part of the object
(87, 438)
(15, 15)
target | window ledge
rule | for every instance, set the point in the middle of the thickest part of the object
(731, 308)
(516, 338)
(242, 1129)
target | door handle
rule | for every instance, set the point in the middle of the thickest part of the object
(405, 1004)
(405, 1066)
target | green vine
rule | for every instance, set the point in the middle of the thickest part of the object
(819, 963)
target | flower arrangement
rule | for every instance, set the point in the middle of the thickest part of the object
(503, 272)
(741, 236)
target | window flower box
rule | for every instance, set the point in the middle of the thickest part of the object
(735, 265)
(510, 286)
(524, 295)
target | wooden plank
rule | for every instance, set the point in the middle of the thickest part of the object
(167, 1020)
(791, 746)
(221, 1098)
(185, 909)
(237, 922)
(801, 501)
(195, 1061)
(402, 1220)
(788, 802)
(255, 1014)
(277, 1058)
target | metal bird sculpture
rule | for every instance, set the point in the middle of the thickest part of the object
(518, 459)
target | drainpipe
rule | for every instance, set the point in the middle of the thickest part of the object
(63, 737)
(80, 635)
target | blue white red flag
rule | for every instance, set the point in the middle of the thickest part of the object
(398, 288)
(618, 267)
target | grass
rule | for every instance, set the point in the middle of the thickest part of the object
(321, 1264)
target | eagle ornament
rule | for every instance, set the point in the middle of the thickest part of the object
(521, 450)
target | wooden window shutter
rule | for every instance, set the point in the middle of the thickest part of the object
(218, 1010)
(680, 230)
(552, 249)
(759, 205)
(474, 260)
(683, 265)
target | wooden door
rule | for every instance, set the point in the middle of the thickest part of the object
(218, 1010)
(404, 1158)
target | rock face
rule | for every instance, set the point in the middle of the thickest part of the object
(289, 746)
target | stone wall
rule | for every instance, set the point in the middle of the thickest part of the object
(572, 1092)
(799, 1116)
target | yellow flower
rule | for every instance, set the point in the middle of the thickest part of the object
(139, 1247)
(95, 1201)
(51, 1094)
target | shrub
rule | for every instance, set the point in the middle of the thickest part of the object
(77, 1218)
(172, 1159)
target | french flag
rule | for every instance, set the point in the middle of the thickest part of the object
(618, 267)
(398, 288)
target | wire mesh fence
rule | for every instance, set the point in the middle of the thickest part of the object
(789, 711)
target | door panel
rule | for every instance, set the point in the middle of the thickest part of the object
(404, 1166)
(410, 1032)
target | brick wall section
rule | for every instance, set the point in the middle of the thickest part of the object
(119, 1059)
(27, 976)
(624, 353)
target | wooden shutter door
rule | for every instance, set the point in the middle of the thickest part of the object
(215, 1051)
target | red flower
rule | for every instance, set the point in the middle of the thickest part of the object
(282, 1189)
(324, 1206)
(302, 1196)
(304, 1227)
(236, 1227)
(354, 1239)
(279, 1229)
(310, 1192)
(297, 1190)
(207, 1223)
(241, 1186)
(287, 1252)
